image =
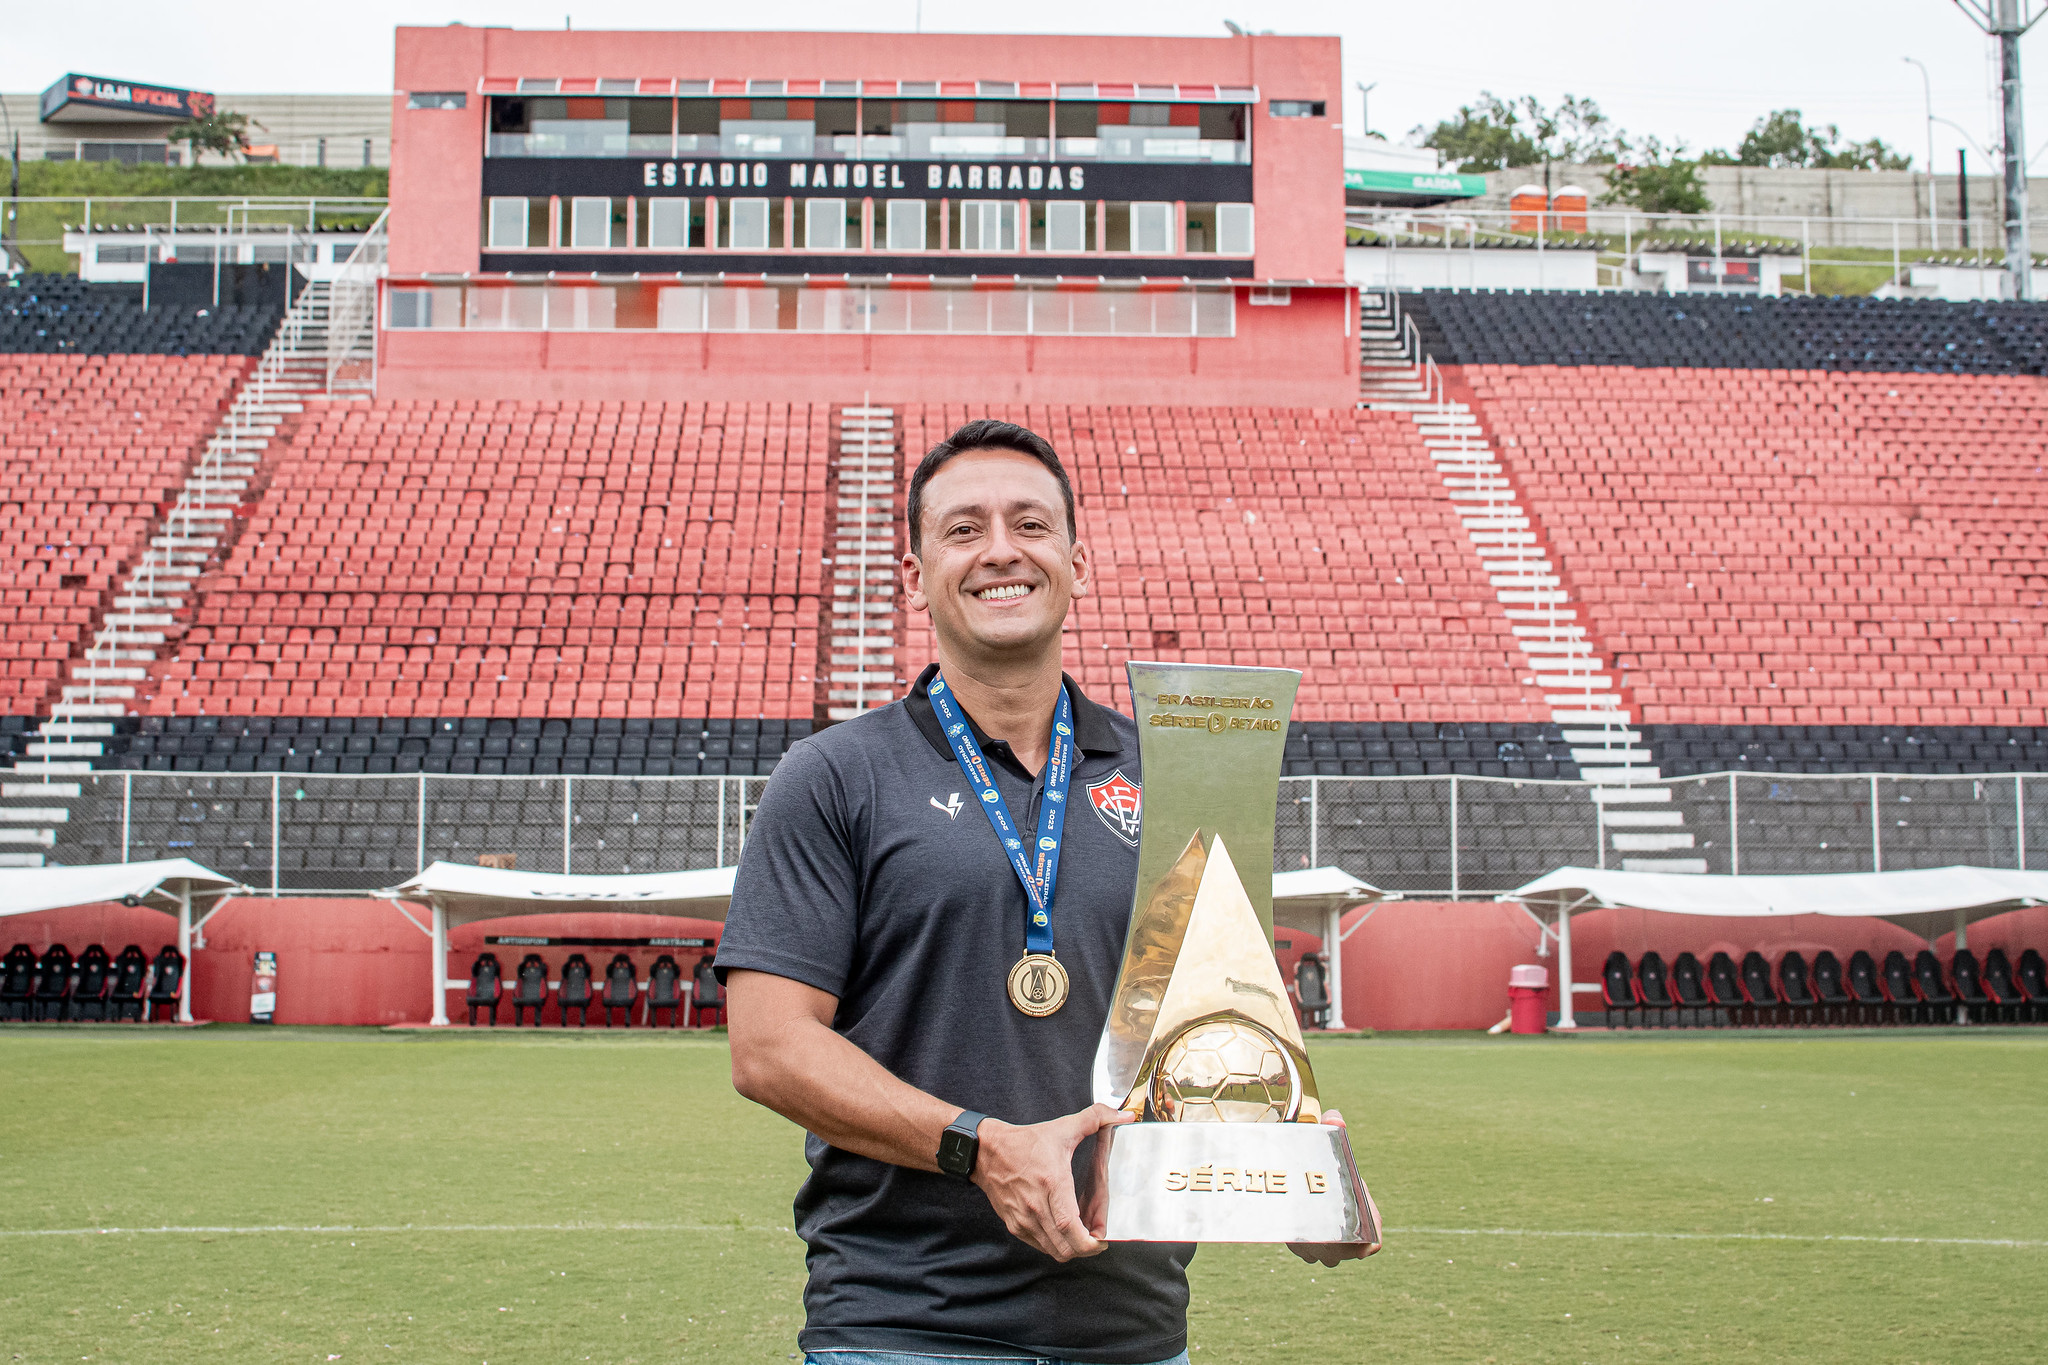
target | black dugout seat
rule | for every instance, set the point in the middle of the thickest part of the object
(1898, 984)
(129, 982)
(1312, 990)
(2032, 976)
(1794, 987)
(1999, 985)
(1864, 988)
(1764, 1001)
(166, 976)
(1618, 989)
(1927, 975)
(53, 983)
(530, 990)
(1653, 988)
(1969, 979)
(1724, 987)
(89, 990)
(621, 988)
(1688, 990)
(575, 991)
(1828, 991)
(706, 991)
(17, 983)
(664, 991)
(485, 987)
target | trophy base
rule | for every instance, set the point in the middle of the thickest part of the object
(1233, 1182)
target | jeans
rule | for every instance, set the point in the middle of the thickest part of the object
(900, 1358)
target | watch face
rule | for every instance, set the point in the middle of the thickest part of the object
(956, 1152)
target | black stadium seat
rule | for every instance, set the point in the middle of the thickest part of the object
(1795, 989)
(1312, 990)
(1907, 1007)
(166, 977)
(2003, 990)
(1653, 986)
(1618, 989)
(621, 988)
(530, 990)
(1927, 975)
(17, 982)
(664, 991)
(53, 983)
(575, 990)
(484, 987)
(1688, 991)
(2032, 976)
(1864, 988)
(1970, 993)
(706, 992)
(89, 991)
(1724, 988)
(1764, 1001)
(1828, 991)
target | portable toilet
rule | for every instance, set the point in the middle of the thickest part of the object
(1569, 205)
(1526, 205)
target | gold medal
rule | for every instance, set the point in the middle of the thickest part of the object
(1038, 984)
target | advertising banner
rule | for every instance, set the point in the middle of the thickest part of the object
(263, 990)
(93, 99)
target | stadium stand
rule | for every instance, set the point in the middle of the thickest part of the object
(61, 315)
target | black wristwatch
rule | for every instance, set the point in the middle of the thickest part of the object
(960, 1144)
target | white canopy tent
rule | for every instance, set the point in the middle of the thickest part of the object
(457, 893)
(171, 885)
(1313, 900)
(1924, 902)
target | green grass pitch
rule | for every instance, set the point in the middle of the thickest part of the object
(1855, 1197)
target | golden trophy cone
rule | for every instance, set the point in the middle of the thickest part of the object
(1202, 1044)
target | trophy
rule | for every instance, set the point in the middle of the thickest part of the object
(1202, 1044)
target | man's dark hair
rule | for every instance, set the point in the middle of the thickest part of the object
(986, 434)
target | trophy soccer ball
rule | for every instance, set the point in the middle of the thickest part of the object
(1223, 1071)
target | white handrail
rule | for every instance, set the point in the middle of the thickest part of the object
(352, 302)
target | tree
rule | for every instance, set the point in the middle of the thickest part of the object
(1494, 134)
(225, 133)
(1657, 179)
(1784, 139)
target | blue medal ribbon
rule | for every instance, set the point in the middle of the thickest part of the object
(1040, 871)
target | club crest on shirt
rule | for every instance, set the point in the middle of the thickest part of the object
(1118, 803)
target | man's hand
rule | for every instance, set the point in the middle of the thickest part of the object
(1333, 1253)
(1027, 1172)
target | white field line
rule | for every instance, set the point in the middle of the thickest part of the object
(334, 1229)
(1726, 1237)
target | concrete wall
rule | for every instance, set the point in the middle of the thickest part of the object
(293, 123)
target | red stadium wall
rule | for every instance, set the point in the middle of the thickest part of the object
(1408, 965)
(1300, 355)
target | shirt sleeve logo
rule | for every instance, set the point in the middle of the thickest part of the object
(1118, 803)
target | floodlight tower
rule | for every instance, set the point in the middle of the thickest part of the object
(2006, 20)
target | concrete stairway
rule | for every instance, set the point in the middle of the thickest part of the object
(104, 683)
(1638, 822)
(861, 629)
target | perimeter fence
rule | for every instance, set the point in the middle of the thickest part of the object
(299, 833)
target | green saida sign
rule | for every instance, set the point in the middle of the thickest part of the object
(1448, 184)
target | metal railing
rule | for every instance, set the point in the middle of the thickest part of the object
(1448, 836)
(41, 221)
(352, 313)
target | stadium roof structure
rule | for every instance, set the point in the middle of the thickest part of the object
(1924, 901)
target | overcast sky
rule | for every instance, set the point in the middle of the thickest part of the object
(1693, 72)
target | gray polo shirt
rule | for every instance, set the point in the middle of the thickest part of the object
(870, 872)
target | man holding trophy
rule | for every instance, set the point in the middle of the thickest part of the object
(1040, 1049)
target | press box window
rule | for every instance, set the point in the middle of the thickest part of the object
(439, 99)
(1234, 229)
(988, 225)
(670, 225)
(1152, 229)
(828, 225)
(906, 225)
(512, 223)
(750, 224)
(1062, 226)
(1295, 108)
(591, 223)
